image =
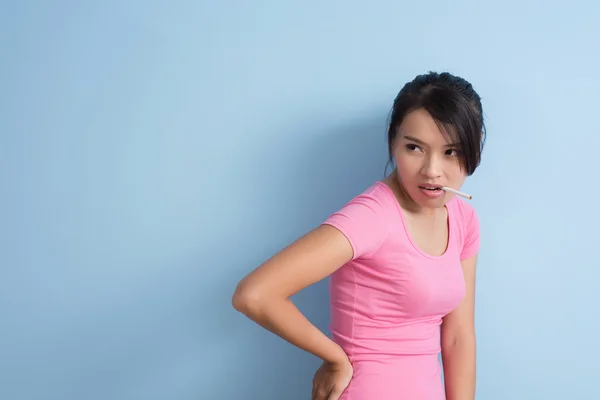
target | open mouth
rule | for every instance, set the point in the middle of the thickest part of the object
(431, 188)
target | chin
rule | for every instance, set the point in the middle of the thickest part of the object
(430, 202)
(433, 203)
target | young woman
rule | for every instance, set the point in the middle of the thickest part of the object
(401, 259)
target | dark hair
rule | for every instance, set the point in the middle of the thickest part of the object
(453, 104)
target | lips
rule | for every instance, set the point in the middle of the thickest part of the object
(432, 191)
(431, 187)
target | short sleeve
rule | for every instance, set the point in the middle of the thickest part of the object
(471, 233)
(363, 222)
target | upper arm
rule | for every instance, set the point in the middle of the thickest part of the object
(309, 259)
(355, 230)
(461, 321)
(471, 240)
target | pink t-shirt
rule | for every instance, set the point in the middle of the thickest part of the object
(389, 300)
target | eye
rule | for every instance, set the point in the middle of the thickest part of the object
(452, 152)
(412, 147)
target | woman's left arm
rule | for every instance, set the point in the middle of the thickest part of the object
(458, 341)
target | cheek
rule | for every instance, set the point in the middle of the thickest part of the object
(456, 176)
(454, 170)
(406, 159)
(408, 168)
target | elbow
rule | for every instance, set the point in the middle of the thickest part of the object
(459, 339)
(246, 300)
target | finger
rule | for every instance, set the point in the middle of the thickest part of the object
(320, 394)
(335, 394)
(315, 393)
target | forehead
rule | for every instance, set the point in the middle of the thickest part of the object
(419, 124)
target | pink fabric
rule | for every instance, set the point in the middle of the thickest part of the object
(387, 303)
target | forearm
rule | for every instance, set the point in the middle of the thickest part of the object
(283, 318)
(459, 361)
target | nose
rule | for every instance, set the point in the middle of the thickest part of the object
(432, 167)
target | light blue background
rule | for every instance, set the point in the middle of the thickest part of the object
(153, 153)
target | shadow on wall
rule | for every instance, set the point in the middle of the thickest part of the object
(335, 166)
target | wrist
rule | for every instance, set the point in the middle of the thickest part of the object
(338, 356)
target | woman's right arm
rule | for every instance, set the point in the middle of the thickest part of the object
(264, 295)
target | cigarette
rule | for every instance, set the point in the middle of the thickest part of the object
(466, 196)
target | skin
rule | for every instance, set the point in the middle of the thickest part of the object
(423, 155)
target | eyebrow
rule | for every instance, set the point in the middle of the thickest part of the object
(414, 139)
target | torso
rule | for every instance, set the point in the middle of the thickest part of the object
(386, 309)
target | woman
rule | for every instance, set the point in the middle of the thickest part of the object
(401, 257)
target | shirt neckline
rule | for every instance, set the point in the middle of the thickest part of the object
(407, 233)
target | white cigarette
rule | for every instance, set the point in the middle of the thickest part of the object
(466, 196)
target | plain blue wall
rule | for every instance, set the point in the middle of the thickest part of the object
(153, 153)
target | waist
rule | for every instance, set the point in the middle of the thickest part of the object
(367, 339)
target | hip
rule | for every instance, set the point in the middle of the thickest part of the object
(410, 377)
